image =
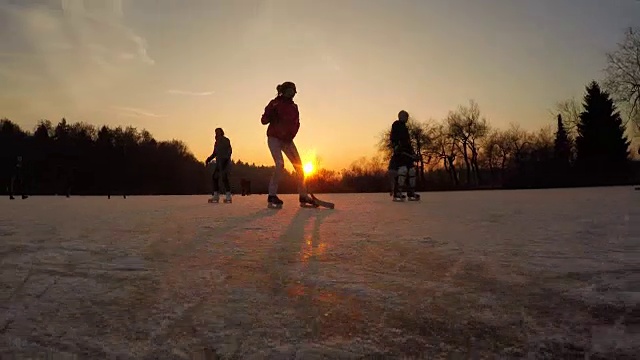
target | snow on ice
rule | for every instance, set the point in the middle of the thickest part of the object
(519, 274)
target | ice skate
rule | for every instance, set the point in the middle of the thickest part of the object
(215, 198)
(413, 196)
(227, 198)
(326, 204)
(307, 201)
(273, 202)
(398, 196)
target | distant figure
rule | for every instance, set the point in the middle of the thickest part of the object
(245, 185)
(222, 153)
(284, 122)
(17, 176)
(401, 164)
(109, 195)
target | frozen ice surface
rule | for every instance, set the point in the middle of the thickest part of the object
(515, 274)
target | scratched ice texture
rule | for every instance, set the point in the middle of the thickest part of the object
(484, 274)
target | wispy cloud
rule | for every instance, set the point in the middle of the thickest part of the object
(136, 112)
(77, 52)
(190, 93)
(73, 28)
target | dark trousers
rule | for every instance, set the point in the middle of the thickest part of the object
(18, 181)
(221, 171)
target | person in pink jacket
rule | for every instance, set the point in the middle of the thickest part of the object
(283, 118)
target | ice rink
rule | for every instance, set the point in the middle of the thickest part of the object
(519, 274)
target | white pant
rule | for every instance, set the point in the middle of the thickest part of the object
(277, 147)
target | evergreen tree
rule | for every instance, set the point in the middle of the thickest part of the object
(601, 145)
(562, 145)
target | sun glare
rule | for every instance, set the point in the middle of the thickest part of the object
(308, 168)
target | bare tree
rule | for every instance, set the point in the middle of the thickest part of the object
(419, 133)
(518, 141)
(491, 153)
(468, 128)
(506, 149)
(544, 137)
(442, 146)
(542, 144)
(504, 144)
(456, 130)
(570, 110)
(623, 74)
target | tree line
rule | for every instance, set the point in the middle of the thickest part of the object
(81, 159)
(587, 146)
(464, 151)
(460, 152)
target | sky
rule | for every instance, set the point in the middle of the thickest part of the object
(181, 68)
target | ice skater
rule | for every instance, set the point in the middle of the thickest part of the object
(283, 118)
(245, 186)
(18, 178)
(402, 168)
(222, 153)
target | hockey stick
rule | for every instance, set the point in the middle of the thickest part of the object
(413, 156)
(322, 203)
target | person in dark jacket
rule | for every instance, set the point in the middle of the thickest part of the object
(18, 179)
(402, 162)
(222, 153)
(283, 118)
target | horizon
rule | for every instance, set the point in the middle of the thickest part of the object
(149, 64)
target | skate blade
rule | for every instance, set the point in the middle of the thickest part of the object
(274, 206)
(227, 201)
(311, 206)
(413, 199)
(213, 201)
(398, 199)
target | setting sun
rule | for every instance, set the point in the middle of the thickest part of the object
(308, 168)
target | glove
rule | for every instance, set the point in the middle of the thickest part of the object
(206, 162)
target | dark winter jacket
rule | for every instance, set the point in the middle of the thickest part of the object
(400, 138)
(221, 149)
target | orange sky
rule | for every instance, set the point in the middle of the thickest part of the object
(181, 69)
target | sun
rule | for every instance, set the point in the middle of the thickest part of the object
(308, 168)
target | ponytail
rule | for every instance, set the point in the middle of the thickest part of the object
(285, 85)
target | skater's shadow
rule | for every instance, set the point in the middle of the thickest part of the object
(294, 251)
(207, 233)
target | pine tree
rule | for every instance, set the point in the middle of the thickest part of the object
(601, 145)
(562, 145)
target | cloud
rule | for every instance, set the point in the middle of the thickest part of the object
(190, 93)
(80, 52)
(73, 24)
(136, 112)
(72, 29)
(103, 27)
